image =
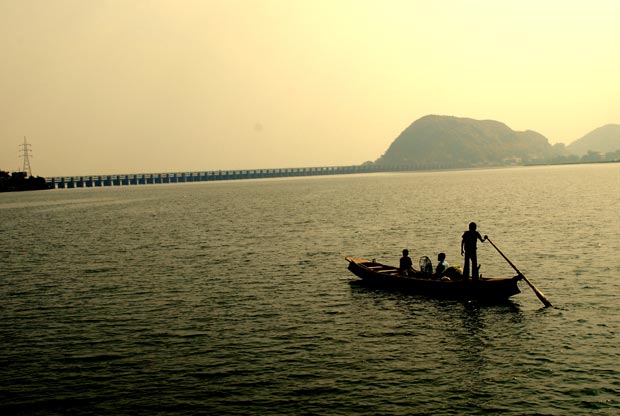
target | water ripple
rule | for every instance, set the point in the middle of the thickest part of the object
(233, 298)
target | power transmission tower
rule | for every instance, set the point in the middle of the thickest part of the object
(25, 150)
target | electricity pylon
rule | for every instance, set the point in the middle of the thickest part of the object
(25, 151)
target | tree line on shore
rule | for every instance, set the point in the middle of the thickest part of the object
(20, 181)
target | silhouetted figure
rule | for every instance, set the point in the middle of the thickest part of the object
(468, 249)
(442, 265)
(406, 265)
(426, 265)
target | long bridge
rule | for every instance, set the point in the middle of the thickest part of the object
(70, 182)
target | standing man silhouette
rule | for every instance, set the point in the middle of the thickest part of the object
(468, 249)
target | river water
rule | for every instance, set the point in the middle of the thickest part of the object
(233, 298)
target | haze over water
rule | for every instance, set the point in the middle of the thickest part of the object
(233, 298)
(110, 87)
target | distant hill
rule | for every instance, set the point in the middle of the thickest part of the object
(458, 142)
(604, 139)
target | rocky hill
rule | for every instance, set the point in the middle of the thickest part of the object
(604, 139)
(456, 142)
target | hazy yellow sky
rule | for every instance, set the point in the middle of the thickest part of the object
(130, 86)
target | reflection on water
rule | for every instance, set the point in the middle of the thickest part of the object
(233, 298)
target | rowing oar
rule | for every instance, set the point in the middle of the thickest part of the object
(539, 294)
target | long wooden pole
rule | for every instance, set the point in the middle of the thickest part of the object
(539, 294)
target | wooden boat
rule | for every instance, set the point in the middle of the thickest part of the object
(389, 277)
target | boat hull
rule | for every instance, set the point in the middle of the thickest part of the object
(388, 277)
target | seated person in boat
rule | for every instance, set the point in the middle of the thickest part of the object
(406, 265)
(442, 265)
(426, 265)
